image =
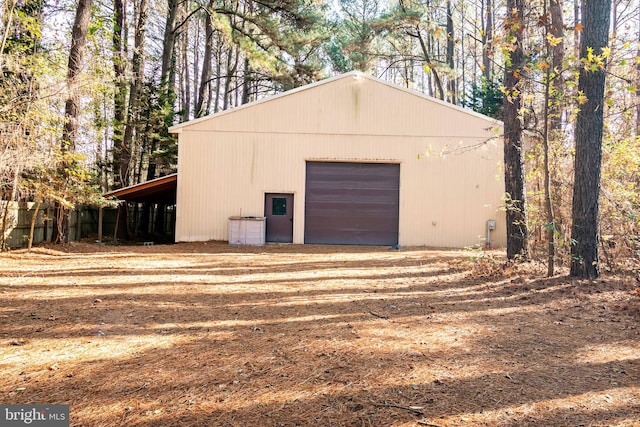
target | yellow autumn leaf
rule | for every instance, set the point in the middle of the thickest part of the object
(606, 52)
(554, 41)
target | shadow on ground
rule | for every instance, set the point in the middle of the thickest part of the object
(275, 337)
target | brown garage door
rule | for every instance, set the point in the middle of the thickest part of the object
(352, 203)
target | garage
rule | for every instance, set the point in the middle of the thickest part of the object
(322, 163)
(352, 203)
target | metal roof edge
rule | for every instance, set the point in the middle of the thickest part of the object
(435, 100)
(177, 129)
(150, 183)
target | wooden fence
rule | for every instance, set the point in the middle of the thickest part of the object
(82, 223)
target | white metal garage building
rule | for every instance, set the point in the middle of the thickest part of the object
(347, 160)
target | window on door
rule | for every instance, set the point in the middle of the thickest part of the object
(279, 206)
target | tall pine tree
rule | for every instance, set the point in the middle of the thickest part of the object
(585, 259)
(517, 233)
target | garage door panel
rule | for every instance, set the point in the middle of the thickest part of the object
(372, 197)
(368, 220)
(352, 203)
(361, 207)
(347, 215)
(354, 236)
(357, 181)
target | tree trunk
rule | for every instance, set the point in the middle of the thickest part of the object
(216, 96)
(168, 45)
(487, 40)
(576, 21)
(205, 79)
(122, 231)
(5, 217)
(160, 139)
(557, 59)
(638, 83)
(76, 52)
(196, 63)
(246, 83)
(231, 70)
(120, 95)
(553, 84)
(589, 128)
(554, 88)
(135, 89)
(32, 228)
(614, 24)
(186, 78)
(517, 233)
(427, 59)
(451, 82)
(551, 224)
(72, 107)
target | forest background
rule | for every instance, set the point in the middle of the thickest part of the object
(88, 90)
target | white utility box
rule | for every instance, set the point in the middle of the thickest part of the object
(247, 230)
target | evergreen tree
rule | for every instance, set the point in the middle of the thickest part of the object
(485, 98)
(517, 231)
(585, 229)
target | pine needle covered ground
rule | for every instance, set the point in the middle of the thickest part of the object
(215, 335)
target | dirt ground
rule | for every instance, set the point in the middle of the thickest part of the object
(209, 334)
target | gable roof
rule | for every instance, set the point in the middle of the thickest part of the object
(177, 129)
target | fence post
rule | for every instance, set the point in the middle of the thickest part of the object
(79, 224)
(100, 224)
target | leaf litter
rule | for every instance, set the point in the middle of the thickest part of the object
(294, 335)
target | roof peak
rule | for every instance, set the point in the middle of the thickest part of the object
(355, 74)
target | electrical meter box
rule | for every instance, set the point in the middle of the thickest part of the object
(491, 224)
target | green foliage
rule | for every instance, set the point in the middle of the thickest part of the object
(485, 98)
(65, 180)
(158, 115)
(25, 34)
(281, 39)
(353, 39)
(34, 165)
